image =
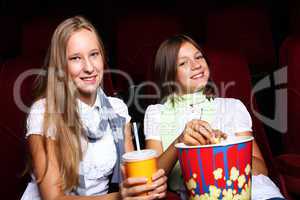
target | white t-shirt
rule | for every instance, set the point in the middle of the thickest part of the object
(231, 117)
(99, 157)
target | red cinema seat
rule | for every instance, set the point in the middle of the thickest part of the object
(289, 161)
(13, 158)
(246, 29)
(138, 37)
(230, 73)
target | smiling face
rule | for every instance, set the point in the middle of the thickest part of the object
(192, 69)
(85, 63)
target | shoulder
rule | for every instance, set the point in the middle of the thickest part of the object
(117, 103)
(154, 109)
(34, 122)
(38, 106)
(228, 102)
(119, 107)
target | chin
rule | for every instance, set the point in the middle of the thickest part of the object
(88, 90)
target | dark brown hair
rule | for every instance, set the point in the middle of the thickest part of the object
(165, 65)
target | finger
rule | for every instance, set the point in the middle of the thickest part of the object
(203, 123)
(161, 189)
(162, 180)
(123, 171)
(206, 125)
(148, 197)
(219, 135)
(201, 130)
(198, 137)
(162, 195)
(223, 135)
(139, 189)
(205, 129)
(158, 174)
(134, 181)
(187, 138)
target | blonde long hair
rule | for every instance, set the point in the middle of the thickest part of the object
(61, 117)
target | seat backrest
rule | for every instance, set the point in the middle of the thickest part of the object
(229, 71)
(12, 87)
(138, 37)
(13, 158)
(247, 29)
(36, 36)
(291, 138)
(284, 50)
(9, 36)
(293, 16)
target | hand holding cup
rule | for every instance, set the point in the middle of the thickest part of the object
(142, 179)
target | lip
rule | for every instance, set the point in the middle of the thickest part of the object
(89, 79)
(198, 75)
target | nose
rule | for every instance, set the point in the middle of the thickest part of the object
(88, 66)
(195, 64)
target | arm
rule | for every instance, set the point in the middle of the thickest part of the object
(50, 185)
(258, 162)
(243, 124)
(128, 138)
(167, 159)
(196, 132)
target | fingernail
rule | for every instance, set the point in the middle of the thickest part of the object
(154, 196)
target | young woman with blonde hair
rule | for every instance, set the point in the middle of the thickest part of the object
(76, 134)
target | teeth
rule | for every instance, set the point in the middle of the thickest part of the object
(88, 78)
(198, 76)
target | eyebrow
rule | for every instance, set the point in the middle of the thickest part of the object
(197, 52)
(77, 54)
(95, 50)
(74, 54)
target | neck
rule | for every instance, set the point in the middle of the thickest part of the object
(88, 99)
(181, 93)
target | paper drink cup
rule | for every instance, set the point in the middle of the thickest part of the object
(141, 163)
(218, 171)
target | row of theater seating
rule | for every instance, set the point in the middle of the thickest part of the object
(235, 46)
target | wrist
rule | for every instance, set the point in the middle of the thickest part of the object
(179, 139)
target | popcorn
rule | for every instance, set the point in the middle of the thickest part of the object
(214, 192)
(218, 173)
(230, 193)
(203, 197)
(237, 197)
(246, 193)
(194, 175)
(227, 194)
(229, 182)
(241, 181)
(191, 184)
(234, 173)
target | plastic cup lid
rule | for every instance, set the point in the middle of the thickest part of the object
(139, 155)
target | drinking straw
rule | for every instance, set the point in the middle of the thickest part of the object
(201, 114)
(136, 136)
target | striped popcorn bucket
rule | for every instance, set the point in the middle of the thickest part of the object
(218, 171)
